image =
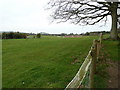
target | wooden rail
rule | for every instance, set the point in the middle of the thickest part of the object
(89, 63)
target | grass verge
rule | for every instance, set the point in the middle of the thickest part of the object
(109, 52)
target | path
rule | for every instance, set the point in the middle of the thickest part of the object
(113, 71)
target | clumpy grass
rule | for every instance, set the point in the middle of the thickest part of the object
(109, 51)
(113, 48)
(101, 76)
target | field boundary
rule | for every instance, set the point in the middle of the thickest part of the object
(88, 64)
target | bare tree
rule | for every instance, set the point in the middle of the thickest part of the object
(85, 12)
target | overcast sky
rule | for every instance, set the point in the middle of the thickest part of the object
(31, 16)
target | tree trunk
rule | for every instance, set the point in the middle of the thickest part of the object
(114, 33)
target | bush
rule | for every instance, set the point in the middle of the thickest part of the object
(38, 35)
(13, 35)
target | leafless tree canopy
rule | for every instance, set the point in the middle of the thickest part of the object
(83, 12)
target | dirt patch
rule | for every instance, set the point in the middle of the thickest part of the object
(75, 60)
(113, 72)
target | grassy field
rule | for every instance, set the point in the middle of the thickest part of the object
(49, 62)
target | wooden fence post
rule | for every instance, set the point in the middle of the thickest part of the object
(93, 63)
(93, 54)
(98, 47)
(99, 44)
(101, 37)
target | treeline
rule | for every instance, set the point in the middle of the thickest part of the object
(72, 34)
(96, 33)
(62, 34)
(13, 35)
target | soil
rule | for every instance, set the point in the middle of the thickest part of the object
(114, 75)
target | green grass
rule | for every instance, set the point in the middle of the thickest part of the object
(42, 63)
(112, 48)
(110, 52)
(101, 76)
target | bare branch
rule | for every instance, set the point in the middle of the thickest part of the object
(78, 12)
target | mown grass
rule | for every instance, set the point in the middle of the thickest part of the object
(49, 62)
